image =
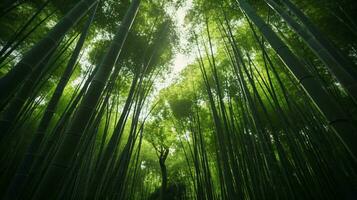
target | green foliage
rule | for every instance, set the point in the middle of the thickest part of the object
(235, 123)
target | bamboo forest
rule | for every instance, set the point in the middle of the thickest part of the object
(178, 99)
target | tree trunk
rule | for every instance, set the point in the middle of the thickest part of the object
(162, 159)
(163, 179)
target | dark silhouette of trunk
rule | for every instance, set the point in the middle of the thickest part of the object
(162, 158)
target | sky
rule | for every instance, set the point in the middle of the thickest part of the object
(181, 59)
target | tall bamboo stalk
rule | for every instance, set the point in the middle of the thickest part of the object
(66, 152)
(25, 166)
(331, 110)
(322, 50)
(14, 78)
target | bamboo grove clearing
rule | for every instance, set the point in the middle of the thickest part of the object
(178, 99)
